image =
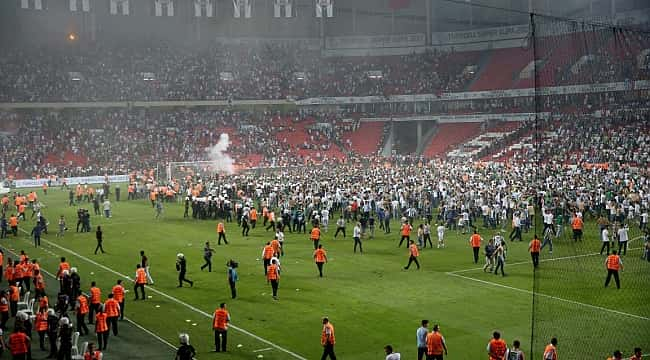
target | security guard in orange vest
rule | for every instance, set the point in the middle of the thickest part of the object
(320, 256)
(81, 309)
(535, 247)
(140, 281)
(101, 329)
(220, 322)
(414, 253)
(95, 301)
(41, 327)
(273, 276)
(327, 340)
(112, 309)
(613, 265)
(118, 295)
(497, 347)
(19, 344)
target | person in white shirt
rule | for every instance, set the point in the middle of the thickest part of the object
(548, 220)
(356, 234)
(325, 219)
(441, 236)
(622, 240)
(390, 355)
(280, 235)
(604, 237)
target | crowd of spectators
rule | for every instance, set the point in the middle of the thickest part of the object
(145, 73)
(118, 141)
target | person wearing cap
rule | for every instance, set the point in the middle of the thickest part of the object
(185, 351)
(181, 267)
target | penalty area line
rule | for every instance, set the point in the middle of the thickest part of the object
(594, 307)
(176, 300)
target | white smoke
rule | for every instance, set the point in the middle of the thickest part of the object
(221, 162)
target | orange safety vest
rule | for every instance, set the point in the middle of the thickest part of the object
(315, 234)
(220, 228)
(111, 308)
(550, 349)
(95, 295)
(18, 271)
(83, 305)
(41, 321)
(613, 262)
(4, 305)
(535, 246)
(475, 240)
(253, 215)
(63, 266)
(14, 293)
(28, 269)
(9, 273)
(434, 343)
(100, 323)
(2, 259)
(324, 338)
(13, 221)
(413, 249)
(577, 223)
(140, 276)
(272, 272)
(118, 293)
(18, 343)
(268, 252)
(220, 320)
(406, 230)
(320, 255)
(498, 347)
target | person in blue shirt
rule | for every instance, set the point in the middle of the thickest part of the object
(232, 277)
(421, 336)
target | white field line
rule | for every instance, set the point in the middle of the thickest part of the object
(244, 331)
(639, 317)
(546, 260)
(265, 349)
(127, 319)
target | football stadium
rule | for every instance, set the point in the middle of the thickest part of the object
(323, 179)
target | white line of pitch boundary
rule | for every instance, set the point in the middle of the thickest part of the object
(546, 260)
(157, 337)
(152, 334)
(550, 297)
(274, 345)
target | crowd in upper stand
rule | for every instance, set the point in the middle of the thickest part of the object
(219, 72)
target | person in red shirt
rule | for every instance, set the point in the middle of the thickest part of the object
(638, 354)
(414, 253)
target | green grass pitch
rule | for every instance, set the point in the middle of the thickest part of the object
(368, 297)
